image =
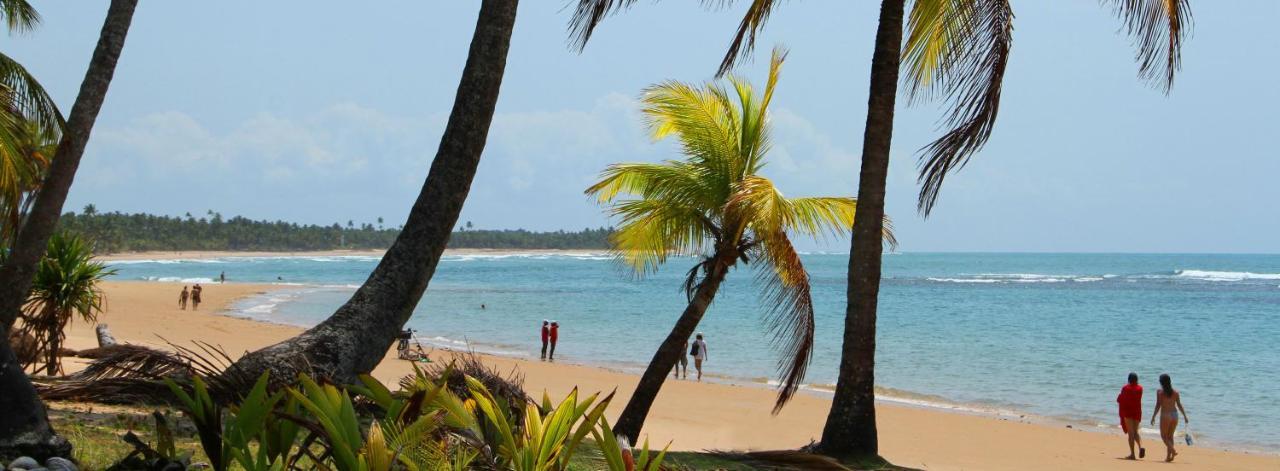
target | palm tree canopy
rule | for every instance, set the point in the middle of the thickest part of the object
(957, 51)
(29, 124)
(715, 202)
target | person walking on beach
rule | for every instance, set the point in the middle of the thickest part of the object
(222, 278)
(699, 352)
(554, 335)
(683, 363)
(1168, 404)
(195, 296)
(1130, 401)
(182, 299)
(546, 333)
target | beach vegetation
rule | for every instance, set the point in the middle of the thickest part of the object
(66, 287)
(956, 52)
(367, 427)
(114, 232)
(716, 205)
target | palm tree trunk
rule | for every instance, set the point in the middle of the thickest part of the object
(632, 418)
(356, 337)
(24, 425)
(851, 425)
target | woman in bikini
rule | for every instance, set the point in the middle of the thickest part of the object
(1168, 404)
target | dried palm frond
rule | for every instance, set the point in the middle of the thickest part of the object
(131, 374)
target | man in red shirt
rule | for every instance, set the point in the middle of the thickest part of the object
(1130, 400)
(544, 338)
(555, 335)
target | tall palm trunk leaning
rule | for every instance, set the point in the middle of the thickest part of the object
(956, 50)
(715, 206)
(24, 424)
(356, 337)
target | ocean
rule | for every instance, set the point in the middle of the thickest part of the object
(1041, 336)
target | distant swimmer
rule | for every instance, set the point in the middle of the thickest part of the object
(482, 306)
(1130, 401)
(1168, 404)
(699, 353)
(182, 299)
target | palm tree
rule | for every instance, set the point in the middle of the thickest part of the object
(957, 50)
(716, 206)
(24, 424)
(30, 126)
(65, 286)
(25, 152)
(356, 337)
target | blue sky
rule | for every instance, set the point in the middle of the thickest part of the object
(318, 112)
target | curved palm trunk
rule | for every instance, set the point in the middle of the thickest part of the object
(24, 425)
(356, 337)
(851, 425)
(632, 418)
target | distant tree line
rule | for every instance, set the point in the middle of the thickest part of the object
(119, 232)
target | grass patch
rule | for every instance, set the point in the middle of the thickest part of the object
(96, 431)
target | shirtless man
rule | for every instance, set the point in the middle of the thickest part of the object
(182, 299)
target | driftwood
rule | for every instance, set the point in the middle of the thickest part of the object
(104, 336)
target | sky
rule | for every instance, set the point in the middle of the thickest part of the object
(316, 112)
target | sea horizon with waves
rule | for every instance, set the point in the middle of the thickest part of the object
(1014, 334)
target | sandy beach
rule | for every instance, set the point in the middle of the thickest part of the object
(692, 415)
(188, 255)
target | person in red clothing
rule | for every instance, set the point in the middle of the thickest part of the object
(1130, 400)
(545, 333)
(555, 335)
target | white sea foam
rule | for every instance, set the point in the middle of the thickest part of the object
(1015, 278)
(177, 279)
(1210, 275)
(174, 261)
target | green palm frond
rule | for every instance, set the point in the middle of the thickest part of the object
(652, 230)
(19, 15)
(27, 97)
(1157, 28)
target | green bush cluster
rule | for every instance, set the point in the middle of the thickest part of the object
(426, 426)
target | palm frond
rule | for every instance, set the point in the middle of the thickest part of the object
(653, 229)
(673, 181)
(29, 98)
(587, 15)
(960, 50)
(785, 292)
(1157, 28)
(19, 15)
(744, 41)
(705, 121)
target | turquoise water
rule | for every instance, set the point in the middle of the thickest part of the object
(1049, 335)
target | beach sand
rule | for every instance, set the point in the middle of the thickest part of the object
(190, 255)
(694, 416)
